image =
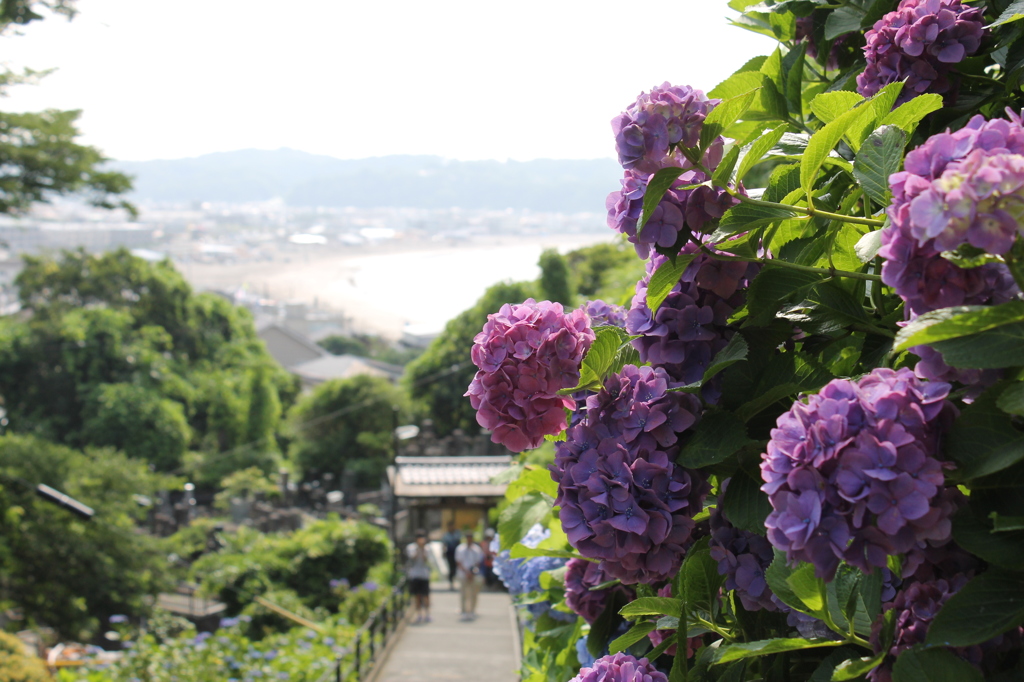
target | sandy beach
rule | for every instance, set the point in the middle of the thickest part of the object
(387, 286)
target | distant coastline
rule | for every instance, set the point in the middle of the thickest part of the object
(389, 285)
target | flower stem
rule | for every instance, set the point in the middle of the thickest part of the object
(831, 272)
(809, 210)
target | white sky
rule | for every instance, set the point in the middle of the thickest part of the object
(477, 79)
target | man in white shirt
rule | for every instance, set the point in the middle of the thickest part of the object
(468, 556)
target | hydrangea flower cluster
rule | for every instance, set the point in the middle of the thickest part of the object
(526, 354)
(915, 607)
(522, 576)
(623, 499)
(693, 208)
(805, 32)
(691, 325)
(914, 266)
(620, 668)
(742, 557)
(602, 313)
(649, 133)
(851, 473)
(919, 43)
(581, 577)
(659, 636)
(649, 136)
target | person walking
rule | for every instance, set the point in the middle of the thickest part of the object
(417, 570)
(451, 542)
(468, 556)
(487, 565)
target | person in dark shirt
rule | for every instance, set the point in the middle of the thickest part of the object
(451, 542)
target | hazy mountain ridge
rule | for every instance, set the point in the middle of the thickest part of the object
(303, 179)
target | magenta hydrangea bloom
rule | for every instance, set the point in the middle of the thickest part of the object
(852, 473)
(650, 132)
(526, 354)
(919, 43)
(620, 668)
(581, 577)
(623, 499)
(691, 326)
(913, 265)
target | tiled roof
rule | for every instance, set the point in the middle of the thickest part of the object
(449, 476)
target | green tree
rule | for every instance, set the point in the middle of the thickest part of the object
(438, 379)
(345, 425)
(121, 352)
(555, 279)
(64, 571)
(39, 156)
(608, 270)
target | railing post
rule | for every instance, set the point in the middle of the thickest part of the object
(337, 670)
(359, 654)
(373, 626)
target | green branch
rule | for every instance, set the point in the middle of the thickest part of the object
(831, 272)
(809, 211)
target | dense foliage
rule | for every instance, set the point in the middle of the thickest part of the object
(800, 448)
(345, 427)
(121, 352)
(62, 570)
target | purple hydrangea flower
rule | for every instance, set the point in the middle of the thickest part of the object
(695, 209)
(805, 32)
(915, 606)
(623, 499)
(581, 577)
(526, 354)
(742, 557)
(914, 266)
(691, 326)
(602, 313)
(650, 132)
(852, 472)
(919, 43)
(620, 668)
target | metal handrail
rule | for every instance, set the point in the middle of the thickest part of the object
(399, 602)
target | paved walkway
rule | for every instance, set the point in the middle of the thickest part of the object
(448, 650)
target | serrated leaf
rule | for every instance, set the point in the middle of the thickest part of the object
(989, 605)
(521, 515)
(996, 348)
(745, 217)
(653, 606)
(716, 438)
(829, 106)
(842, 21)
(1012, 400)
(733, 352)
(879, 157)
(754, 154)
(867, 246)
(664, 279)
(722, 176)
(855, 667)
(1013, 12)
(521, 551)
(775, 285)
(1004, 549)
(777, 576)
(983, 439)
(823, 142)
(702, 580)
(659, 183)
(957, 321)
(744, 504)
(636, 633)
(933, 665)
(908, 115)
(808, 588)
(736, 652)
(723, 116)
